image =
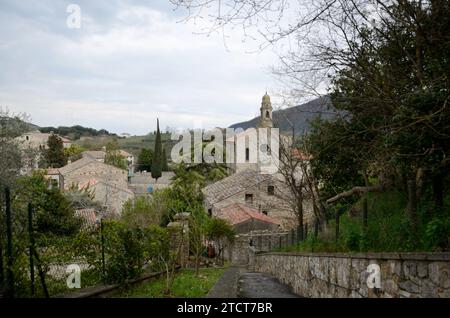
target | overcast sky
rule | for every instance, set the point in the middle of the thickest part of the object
(130, 62)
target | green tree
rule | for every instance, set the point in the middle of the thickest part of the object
(145, 159)
(73, 153)
(113, 156)
(197, 231)
(11, 156)
(54, 214)
(55, 156)
(221, 232)
(157, 154)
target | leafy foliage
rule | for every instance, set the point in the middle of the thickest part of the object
(55, 156)
(141, 212)
(113, 156)
(145, 159)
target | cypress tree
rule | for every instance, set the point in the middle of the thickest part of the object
(157, 154)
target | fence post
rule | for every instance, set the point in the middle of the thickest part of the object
(316, 228)
(280, 240)
(103, 251)
(337, 227)
(364, 214)
(292, 237)
(306, 230)
(2, 277)
(9, 248)
(299, 233)
(31, 247)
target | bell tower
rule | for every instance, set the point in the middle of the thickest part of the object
(265, 119)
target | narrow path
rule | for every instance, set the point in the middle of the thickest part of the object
(259, 285)
(238, 282)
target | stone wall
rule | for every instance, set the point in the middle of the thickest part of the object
(345, 275)
(238, 254)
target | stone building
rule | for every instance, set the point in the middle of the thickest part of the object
(258, 191)
(245, 219)
(32, 144)
(108, 183)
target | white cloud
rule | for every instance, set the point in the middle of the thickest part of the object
(126, 66)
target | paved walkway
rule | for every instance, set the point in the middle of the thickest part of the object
(237, 282)
(259, 285)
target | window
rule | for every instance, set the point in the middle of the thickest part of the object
(249, 198)
(271, 190)
(267, 114)
(210, 212)
(264, 212)
(27, 137)
(247, 154)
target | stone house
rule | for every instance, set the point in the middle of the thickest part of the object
(258, 191)
(37, 140)
(245, 219)
(143, 183)
(109, 184)
(33, 144)
(111, 196)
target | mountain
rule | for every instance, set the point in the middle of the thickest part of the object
(297, 116)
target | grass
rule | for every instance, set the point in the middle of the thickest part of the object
(186, 285)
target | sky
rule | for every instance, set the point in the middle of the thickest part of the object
(128, 63)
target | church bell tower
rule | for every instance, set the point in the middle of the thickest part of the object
(265, 120)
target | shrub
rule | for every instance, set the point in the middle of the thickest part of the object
(437, 233)
(124, 252)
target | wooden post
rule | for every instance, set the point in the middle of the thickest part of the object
(316, 228)
(31, 247)
(337, 227)
(9, 248)
(364, 214)
(412, 207)
(103, 251)
(41, 274)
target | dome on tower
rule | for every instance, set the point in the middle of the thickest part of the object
(266, 98)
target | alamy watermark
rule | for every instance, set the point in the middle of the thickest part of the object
(73, 21)
(374, 278)
(74, 278)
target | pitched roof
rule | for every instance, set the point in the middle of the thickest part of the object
(123, 153)
(95, 181)
(89, 217)
(232, 185)
(94, 154)
(75, 165)
(237, 213)
(84, 162)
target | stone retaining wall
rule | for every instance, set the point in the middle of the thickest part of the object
(345, 275)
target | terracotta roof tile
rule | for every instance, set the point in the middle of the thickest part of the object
(237, 213)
